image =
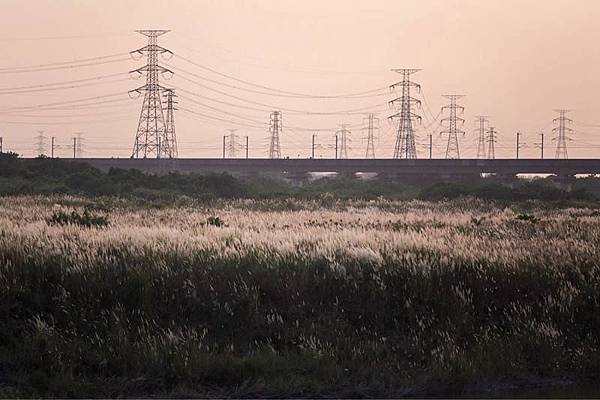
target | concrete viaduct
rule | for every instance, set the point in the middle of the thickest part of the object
(297, 170)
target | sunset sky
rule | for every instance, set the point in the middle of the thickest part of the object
(515, 61)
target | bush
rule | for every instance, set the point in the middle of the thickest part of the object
(215, 221)
(74, 218)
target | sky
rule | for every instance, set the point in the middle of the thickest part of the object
(235, 61)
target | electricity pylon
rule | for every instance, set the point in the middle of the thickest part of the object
(343, 134)
(491, 141)
(151, 138)
(405, 136)
(454, 121)
(481, 120)
(41, 143)
(232, 143)
(372, 125)
(79, 144)
(170, 122)
(562, 131)
(275, 126)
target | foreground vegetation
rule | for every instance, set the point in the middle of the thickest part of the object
(55, 176)
(297, 298)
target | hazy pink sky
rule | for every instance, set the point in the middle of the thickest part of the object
(515, 61)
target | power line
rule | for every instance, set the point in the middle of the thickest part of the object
(217, 118)
(278, 90)
(63, 82)
(49, 89)
(91, 64)
(271, 106)
(85, 99)
(276, 93)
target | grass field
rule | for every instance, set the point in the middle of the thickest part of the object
(294, 297)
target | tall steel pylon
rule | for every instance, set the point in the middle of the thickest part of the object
(79, 144)
(562, 131)
(343, 134)
(453, 121)
(372, 125)
(232, 143)
(481, 121)
(170, 121)
(275, 126)
(41, 143)
(405, 137)
(491, 141)
(151, 138)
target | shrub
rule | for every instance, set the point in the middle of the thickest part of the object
(215, 221)
(74, 218)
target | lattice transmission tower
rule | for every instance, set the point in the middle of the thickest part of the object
(454, 122)
(343, 134)
(562, 132)
(481, 121)
(405, 137)
(492, 139)
(79, 144)
(232, 144)
(170, 121)
(151, 138)
(275, 126)
(372, 123)
(41, 143)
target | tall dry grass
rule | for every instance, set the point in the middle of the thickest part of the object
(381, 297)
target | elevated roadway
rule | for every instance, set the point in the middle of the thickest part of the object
(388, 168)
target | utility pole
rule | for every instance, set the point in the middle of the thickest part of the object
(74, 147)
(343, 132)
(405, 136)
(370, 135)
(151, 137)
(224, 137)
(275, 126)
(52, 151)
(453, 122)
(430, 146)
(1, 144)
(491, 140)
(336, 146)
(41, 143)
(246, 147)
(481, 121)
(541, 145)
(519, 144)
(562, 131)
(232, 145)
(170, 122)
(312, 153)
